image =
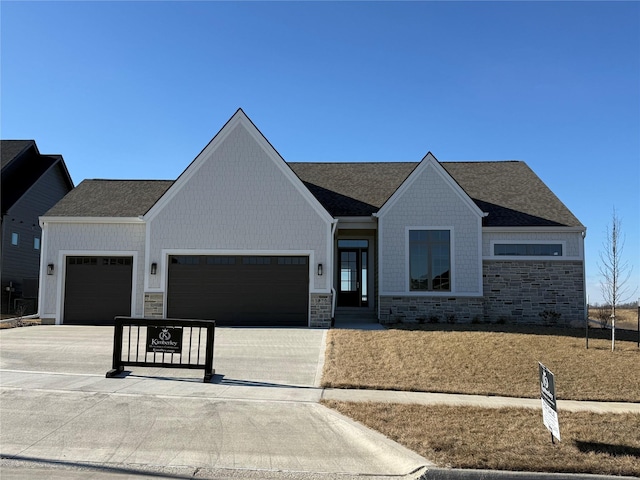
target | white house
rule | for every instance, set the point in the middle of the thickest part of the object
(245, 238)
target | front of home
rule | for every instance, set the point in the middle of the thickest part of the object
(245, 238)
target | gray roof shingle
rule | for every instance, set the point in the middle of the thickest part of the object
(110, 198)
(11, 149)
(510, 192)
(22, 167)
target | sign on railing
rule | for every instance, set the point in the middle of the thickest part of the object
(163, 342)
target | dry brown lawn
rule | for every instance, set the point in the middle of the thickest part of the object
(486, 360)
(22, 322)
(626, 318)
(507, 439)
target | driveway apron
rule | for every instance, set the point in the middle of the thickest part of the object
(259, 413)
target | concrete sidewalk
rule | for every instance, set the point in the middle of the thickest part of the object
(424, 398)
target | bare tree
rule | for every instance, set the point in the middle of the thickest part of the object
(615, 271)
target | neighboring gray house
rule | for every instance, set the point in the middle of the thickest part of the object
(31, 184)
(246, 238)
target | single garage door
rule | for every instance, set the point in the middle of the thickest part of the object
(97, 289)
(240, 290)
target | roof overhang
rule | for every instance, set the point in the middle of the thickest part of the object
(543, 228)
(91, 220)
(358, 223)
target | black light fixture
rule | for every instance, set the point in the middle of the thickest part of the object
(50, 269)
(319, 269)
(154, 268)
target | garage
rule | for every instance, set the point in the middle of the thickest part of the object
(97, 289)
(239, 290)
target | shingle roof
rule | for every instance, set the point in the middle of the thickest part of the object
(510, 192)
(11, 149)
(352, 189)
(110, 198)
(22, 167)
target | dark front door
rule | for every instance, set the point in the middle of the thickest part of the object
(352, 284)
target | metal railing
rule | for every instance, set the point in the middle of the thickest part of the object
(163, 342)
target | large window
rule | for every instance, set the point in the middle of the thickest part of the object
(429, 260)
(528, 249)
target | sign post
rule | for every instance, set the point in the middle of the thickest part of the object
(548, 397)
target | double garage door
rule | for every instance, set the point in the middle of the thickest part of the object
(239, 289)
(233, 290)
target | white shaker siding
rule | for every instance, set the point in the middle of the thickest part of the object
(573, 242)
(88, 239)
(239, 200)
(431, 201)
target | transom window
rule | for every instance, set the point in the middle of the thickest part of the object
(528, 249)
(429, 260)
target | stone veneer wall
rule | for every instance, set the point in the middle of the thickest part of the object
(320, 310)
(153, 305)
(515, 292)
(534, 292)
(413, 309)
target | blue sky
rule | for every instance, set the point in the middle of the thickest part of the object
(137, 89)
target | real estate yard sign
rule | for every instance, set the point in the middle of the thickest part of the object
(548, 396)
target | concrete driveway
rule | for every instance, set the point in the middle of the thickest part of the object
(260, 414)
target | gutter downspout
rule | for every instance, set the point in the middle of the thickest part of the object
(43, 249)
(334, 226)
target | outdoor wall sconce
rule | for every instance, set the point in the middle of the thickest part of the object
(319, 269)
(50, 269)
(154, 268)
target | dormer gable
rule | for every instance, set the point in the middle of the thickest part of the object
(429, 166)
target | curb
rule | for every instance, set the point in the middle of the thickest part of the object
(464, 474)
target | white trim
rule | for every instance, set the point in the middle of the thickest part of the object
(238, 119)
(330, 258)
(147, 260)
(107, 220)
(358, 223)
(452, 261)
(563, 243)
(43, 273)
(480, 264)
(429, 160)
(534, 229)
(163, 263)
(167, 252)
(370, 267)
(380, 265)
(62, 272)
